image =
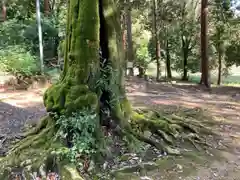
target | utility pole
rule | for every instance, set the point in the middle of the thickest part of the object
(130, 54)
(156, 38)
(38, 13)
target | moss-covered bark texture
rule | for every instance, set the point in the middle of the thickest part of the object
(92, 27)
(81, 60)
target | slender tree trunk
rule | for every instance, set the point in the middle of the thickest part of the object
(4, 11)
(130, 53)
(157, 43)
(46, 7)
(168, 61)
(219, 68)
(219, 56)
(185, 50)
(185, 68)
(204, 44)
(220, 49)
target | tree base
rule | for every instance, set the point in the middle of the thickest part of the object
(38, 151)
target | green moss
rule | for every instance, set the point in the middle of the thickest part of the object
(66, 98)
(136, 116)
(31, 153)
(127, 108)
(69, 172)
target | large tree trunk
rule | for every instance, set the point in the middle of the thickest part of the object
(204, 44)
(83, 43)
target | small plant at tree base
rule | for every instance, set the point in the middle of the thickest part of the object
(80, 131)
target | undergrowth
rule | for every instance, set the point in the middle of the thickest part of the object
(80, 132)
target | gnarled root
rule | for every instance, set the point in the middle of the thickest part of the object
(34, 154)
(166, 130)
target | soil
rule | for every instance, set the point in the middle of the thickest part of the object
(19, 109)
(221, 104)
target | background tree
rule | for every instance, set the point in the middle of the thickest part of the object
(156, 39)
(46, 7)
(4, 11)
(130, 53)
(220, 16)
(204, 44)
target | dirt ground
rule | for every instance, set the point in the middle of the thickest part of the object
(18, 108)
(222, 104)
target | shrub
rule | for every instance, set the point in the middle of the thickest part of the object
(18, 60)
(11, 33)
(80, 131)
(50, 38)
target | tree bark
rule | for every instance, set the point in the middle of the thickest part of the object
(204, 44)
(46, 8)
(91, 33)
(4, 11)
(168, 61)
(185, 69)
(219, 68)
(157, 43)
(130, 53)
(185, 51)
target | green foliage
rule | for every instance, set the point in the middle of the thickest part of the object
(18, 61)
(233, 54)
(19, 45)
(80, 130)
(50, 38)
(142, 55)
(20, 9)
(11, 32)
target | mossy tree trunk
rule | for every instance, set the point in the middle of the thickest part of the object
(93, 43)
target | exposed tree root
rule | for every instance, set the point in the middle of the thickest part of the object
(35, 151)
(41, 125)
(166, 130)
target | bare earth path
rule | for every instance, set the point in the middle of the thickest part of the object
(18, 109)
(24, 107)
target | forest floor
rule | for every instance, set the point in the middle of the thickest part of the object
(222, 105)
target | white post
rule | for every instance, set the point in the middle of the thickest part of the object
(40, 35)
